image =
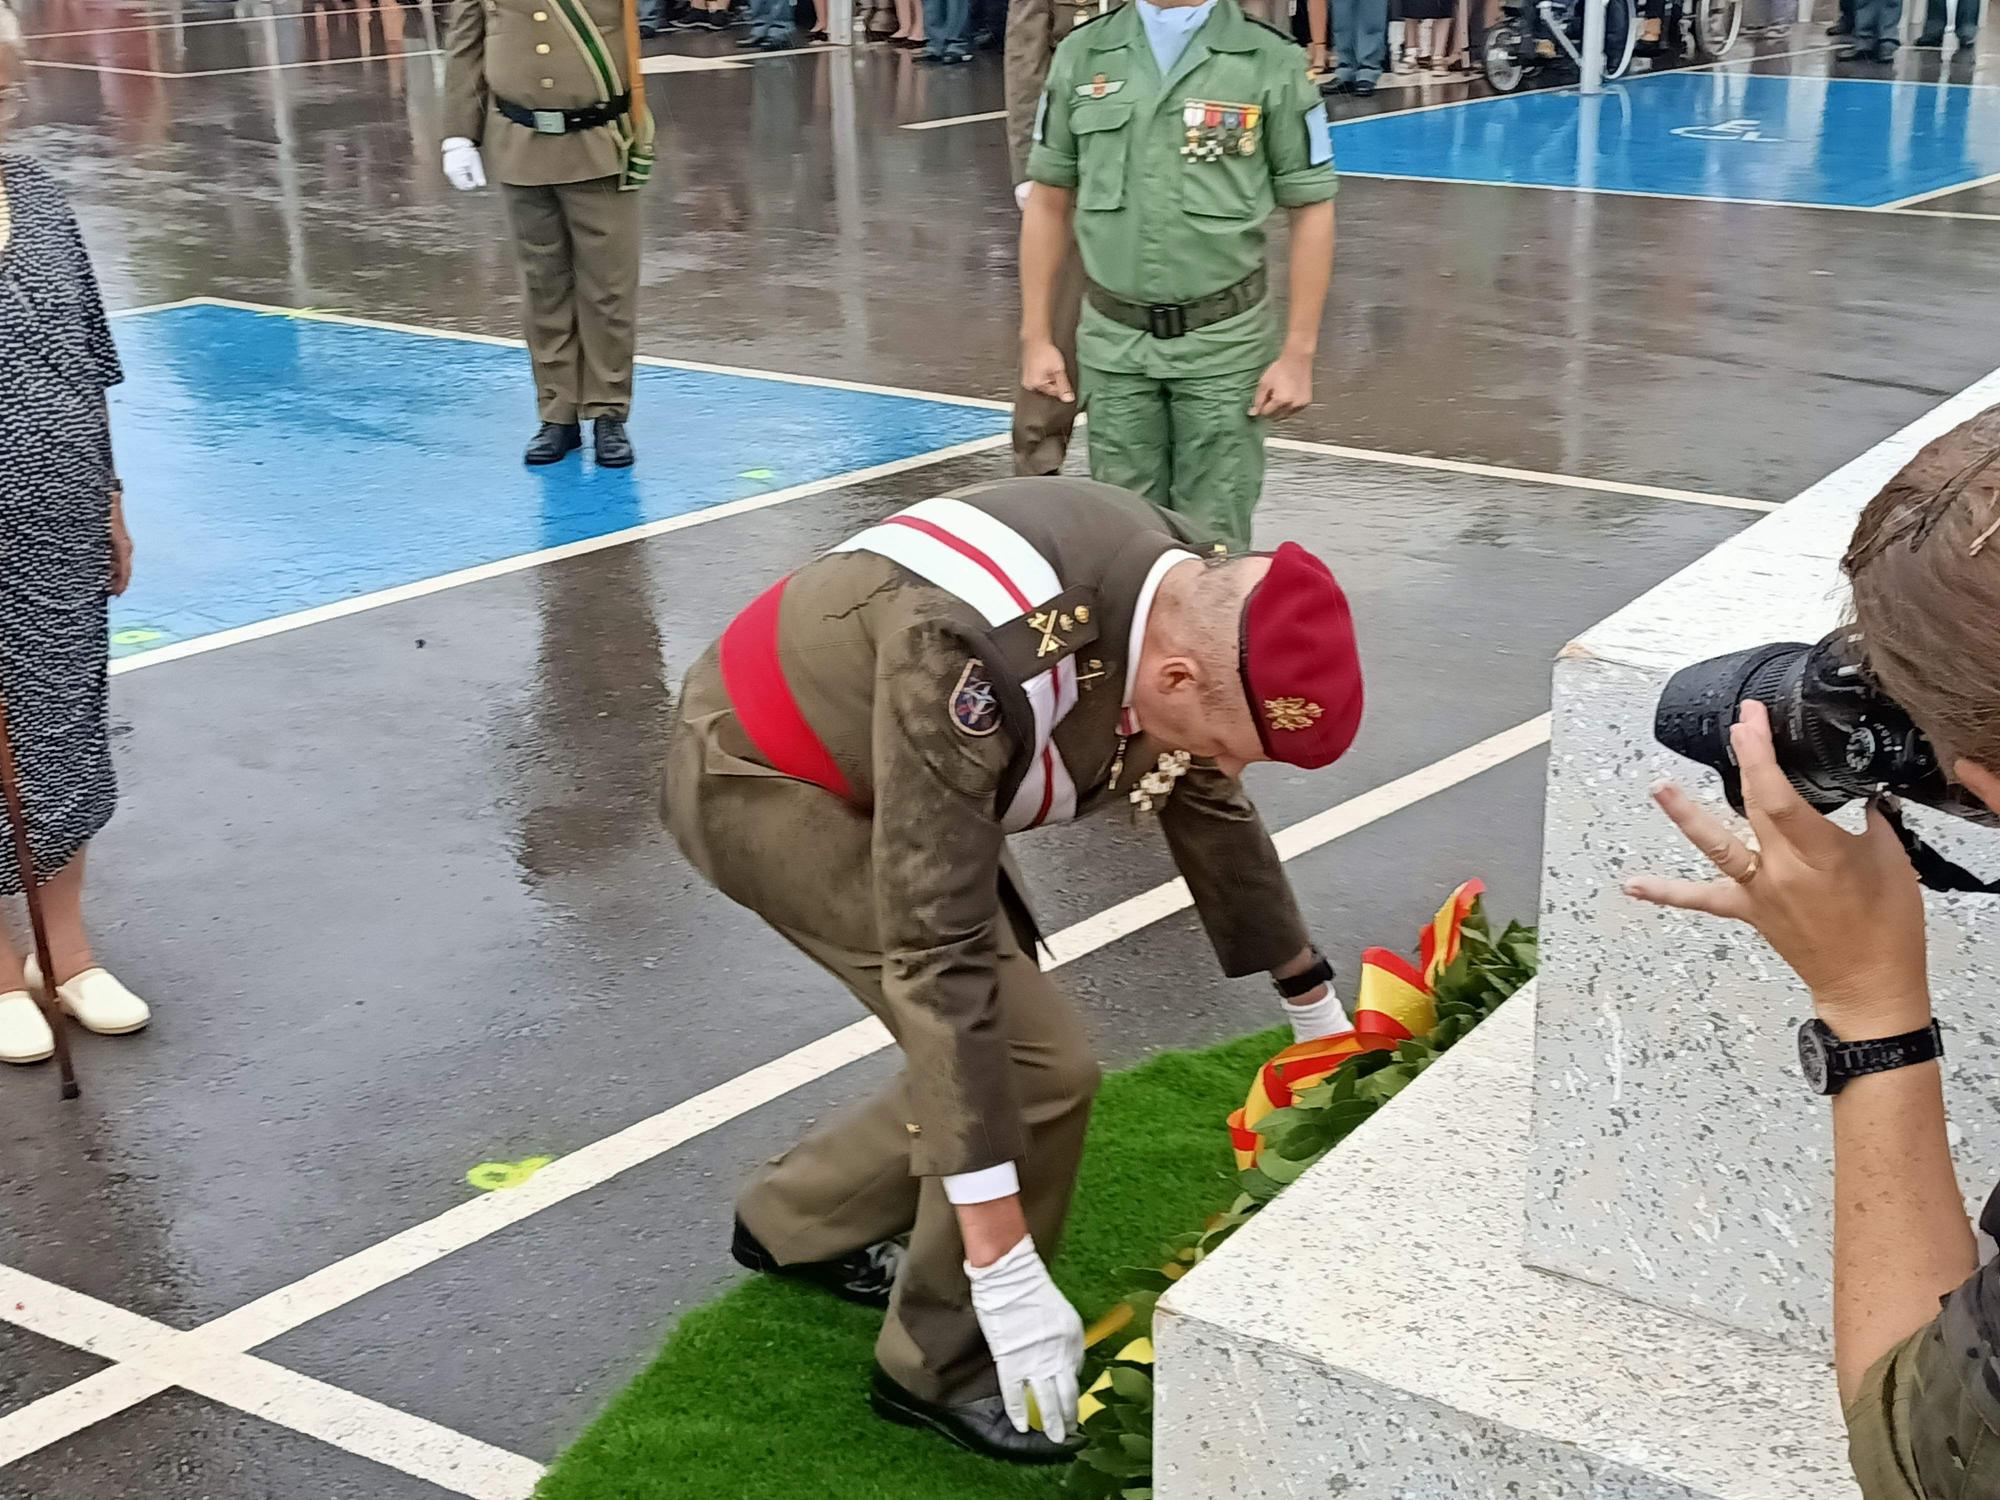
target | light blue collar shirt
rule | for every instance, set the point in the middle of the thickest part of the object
(1169, 29)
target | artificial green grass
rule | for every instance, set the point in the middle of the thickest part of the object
(764, 1390)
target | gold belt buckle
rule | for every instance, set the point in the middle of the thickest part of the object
(550, 122)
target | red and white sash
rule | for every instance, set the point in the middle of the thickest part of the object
(997, 571)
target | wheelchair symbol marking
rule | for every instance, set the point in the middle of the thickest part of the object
(1726, 130)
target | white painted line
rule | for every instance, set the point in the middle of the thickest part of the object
(479, 573)
(156, 307)
(949, 120)
(254, 18)
(212, 1359)
(1163, 901)
(832, 383)
(1526, 476)
(1604, 192)
(1944, 192)
(70, 1410)
(324, 62)
(680, 62)
(154, 1357)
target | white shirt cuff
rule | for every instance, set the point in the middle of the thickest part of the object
(984, 1185)
(1323, 1017)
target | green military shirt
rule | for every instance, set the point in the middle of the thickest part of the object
(1175, 177)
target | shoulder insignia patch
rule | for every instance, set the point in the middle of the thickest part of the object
(975, 710)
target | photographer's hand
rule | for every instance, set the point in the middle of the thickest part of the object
(1843, 909)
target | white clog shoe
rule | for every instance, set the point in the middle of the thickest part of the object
(97, 1000)
(24, 1032)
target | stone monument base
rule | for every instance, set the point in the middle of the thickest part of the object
(1374, 1335)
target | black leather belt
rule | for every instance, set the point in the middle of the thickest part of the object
(563, 121)
(1171, 320)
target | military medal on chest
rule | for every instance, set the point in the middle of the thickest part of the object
(1216, 130)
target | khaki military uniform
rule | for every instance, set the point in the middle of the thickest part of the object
(576, 230)
(1042, 424)
(1175, 178)
(1926, 1424)
(905, 892)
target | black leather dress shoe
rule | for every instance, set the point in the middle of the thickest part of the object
(553, 442)
(864, 1276)
(609, 443)
(981, 1426)
(1929, 40)
(1885, 51)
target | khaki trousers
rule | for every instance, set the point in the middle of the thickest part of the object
(848, 1184)
(578, 245)
(1042, 424)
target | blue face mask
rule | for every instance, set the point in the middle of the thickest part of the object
(1170, 28)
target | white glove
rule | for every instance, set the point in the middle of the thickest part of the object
(1323, 1017)
(1035, 1336)
(1021, 191)
(462, 166)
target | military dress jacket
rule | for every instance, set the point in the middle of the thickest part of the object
(528, 53)
(918, 699)
(1175, 177)
(1926, 1422)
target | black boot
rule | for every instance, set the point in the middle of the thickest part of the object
(865, 1276)
(609, 443)
(981, 1426)
(552, 442)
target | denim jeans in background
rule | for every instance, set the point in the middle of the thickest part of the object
(1361, 38)
(653, 15)
(771, 20)
(1878, 21)
(947, 25)
(1967, 24)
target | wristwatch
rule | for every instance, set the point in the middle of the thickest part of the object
(1319, 972)
(1829, 1063)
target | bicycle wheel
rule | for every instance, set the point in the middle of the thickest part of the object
(1502, 59)
(1714, 27)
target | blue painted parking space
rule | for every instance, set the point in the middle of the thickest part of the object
(276, 464)
(1833, 142)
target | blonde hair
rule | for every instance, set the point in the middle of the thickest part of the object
(1925, 566)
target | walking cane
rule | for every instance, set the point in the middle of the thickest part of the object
(24, 857)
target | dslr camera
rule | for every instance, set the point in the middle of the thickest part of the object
(1839, 738)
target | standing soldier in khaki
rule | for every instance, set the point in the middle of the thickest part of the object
(849, 760)
(551, 90)
(1042, 422)
(1166, 136)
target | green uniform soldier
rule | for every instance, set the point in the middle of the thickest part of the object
(1035, 28)
(550, 92)
(848, 762)
(1167, 134)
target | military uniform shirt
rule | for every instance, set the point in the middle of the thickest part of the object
(1176, 176)
(525, 52)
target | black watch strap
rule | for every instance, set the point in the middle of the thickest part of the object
(1306, 980)
(1829, 1063)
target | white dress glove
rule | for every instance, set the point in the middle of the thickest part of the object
(462, 166)
(1035, 1336)
(1021, 191)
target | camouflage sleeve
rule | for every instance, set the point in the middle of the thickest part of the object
(1234, 873)
(1926, 1423)
(937, 852)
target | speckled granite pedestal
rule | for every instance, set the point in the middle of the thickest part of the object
(1391, 1329)
(1374, 1335)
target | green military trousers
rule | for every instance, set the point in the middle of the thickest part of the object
(1189, 444)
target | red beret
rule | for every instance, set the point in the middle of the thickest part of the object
(1301, 671)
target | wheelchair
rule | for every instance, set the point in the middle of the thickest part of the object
(1699, 31)
(1546, 36)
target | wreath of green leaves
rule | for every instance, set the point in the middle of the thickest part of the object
(1117, 1461)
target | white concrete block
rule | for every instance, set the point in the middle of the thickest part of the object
(1374, 1335)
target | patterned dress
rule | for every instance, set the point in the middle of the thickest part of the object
(56, 360)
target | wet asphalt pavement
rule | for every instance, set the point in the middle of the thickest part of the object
(395, 883)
